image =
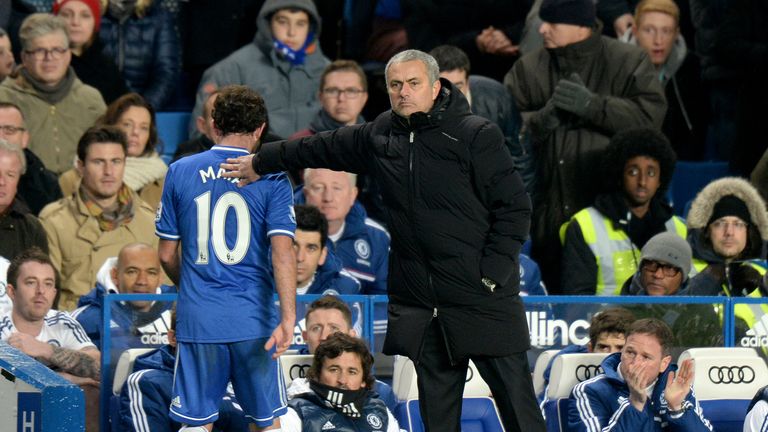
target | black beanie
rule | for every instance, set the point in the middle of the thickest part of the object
(730, 205)
(576, 12)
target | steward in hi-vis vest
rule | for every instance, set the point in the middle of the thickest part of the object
(601, 244)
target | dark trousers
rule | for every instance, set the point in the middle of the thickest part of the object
(441, 386)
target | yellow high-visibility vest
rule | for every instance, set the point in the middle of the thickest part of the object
(616, 256)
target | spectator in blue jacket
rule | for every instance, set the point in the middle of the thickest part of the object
(326, 316)
(135, 324)
(318, 271)
(142, 39)
(361, 243)
(146, 395)
(530, 277)
(641, 390)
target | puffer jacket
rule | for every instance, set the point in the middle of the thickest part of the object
(457, 211)
(147, 52)
(290, 91)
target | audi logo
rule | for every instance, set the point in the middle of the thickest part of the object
(298, 371)
(731, 374)
(585, 372)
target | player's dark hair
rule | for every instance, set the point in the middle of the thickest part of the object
(615, 320)
(238, 110)
(656, 328)
(337, 344)
(331, 302)
(450, 58)
(309, 218)
(100, 134)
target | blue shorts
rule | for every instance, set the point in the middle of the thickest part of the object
(203, 371)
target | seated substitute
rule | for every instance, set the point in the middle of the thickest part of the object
(641, 389)
(135, 324)
(146, 395)
(360, 242)
(607, 334)
(326, 316)
(601, 243)
(339, 395)
(34, 328)
(318, 270)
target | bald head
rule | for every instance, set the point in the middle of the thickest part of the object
(137, 272)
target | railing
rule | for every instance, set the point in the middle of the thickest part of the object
(554, 321)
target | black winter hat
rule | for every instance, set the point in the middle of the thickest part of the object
(730, 205)
(576, 12)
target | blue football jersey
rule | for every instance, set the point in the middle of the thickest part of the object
(226, 285)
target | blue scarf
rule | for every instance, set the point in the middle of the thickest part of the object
(295, 57)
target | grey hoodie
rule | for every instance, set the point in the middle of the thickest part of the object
(289, 91)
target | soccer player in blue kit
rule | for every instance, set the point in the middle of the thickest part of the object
(227, 326)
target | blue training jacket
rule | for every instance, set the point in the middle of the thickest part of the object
(332, 279)
(146, 396)
(602, 404)
(363, 248)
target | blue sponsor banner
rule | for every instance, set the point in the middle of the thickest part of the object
(29, 412)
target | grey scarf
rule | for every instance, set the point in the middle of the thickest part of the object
(55, 93)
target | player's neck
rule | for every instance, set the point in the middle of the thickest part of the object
(244, 141)
(32, 328)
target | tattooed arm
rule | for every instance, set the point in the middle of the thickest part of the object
(83, 363)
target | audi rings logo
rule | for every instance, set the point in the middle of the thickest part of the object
(470, 374)
(298, 371)
(585, 372)
(731, 374)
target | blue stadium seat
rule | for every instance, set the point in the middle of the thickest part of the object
(478, 414)
(172, 129)
(689, 178)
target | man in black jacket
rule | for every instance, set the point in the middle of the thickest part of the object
(458, 214)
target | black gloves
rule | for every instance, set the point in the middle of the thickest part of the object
(744, 279)
(573, 96)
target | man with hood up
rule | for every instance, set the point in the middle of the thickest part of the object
(283, 64)
(657, 31)
(727, 231)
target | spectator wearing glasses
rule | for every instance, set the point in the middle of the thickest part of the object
(343, 93)
(727, 231)
(664, 267)
(58, 107)
(38, 186)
